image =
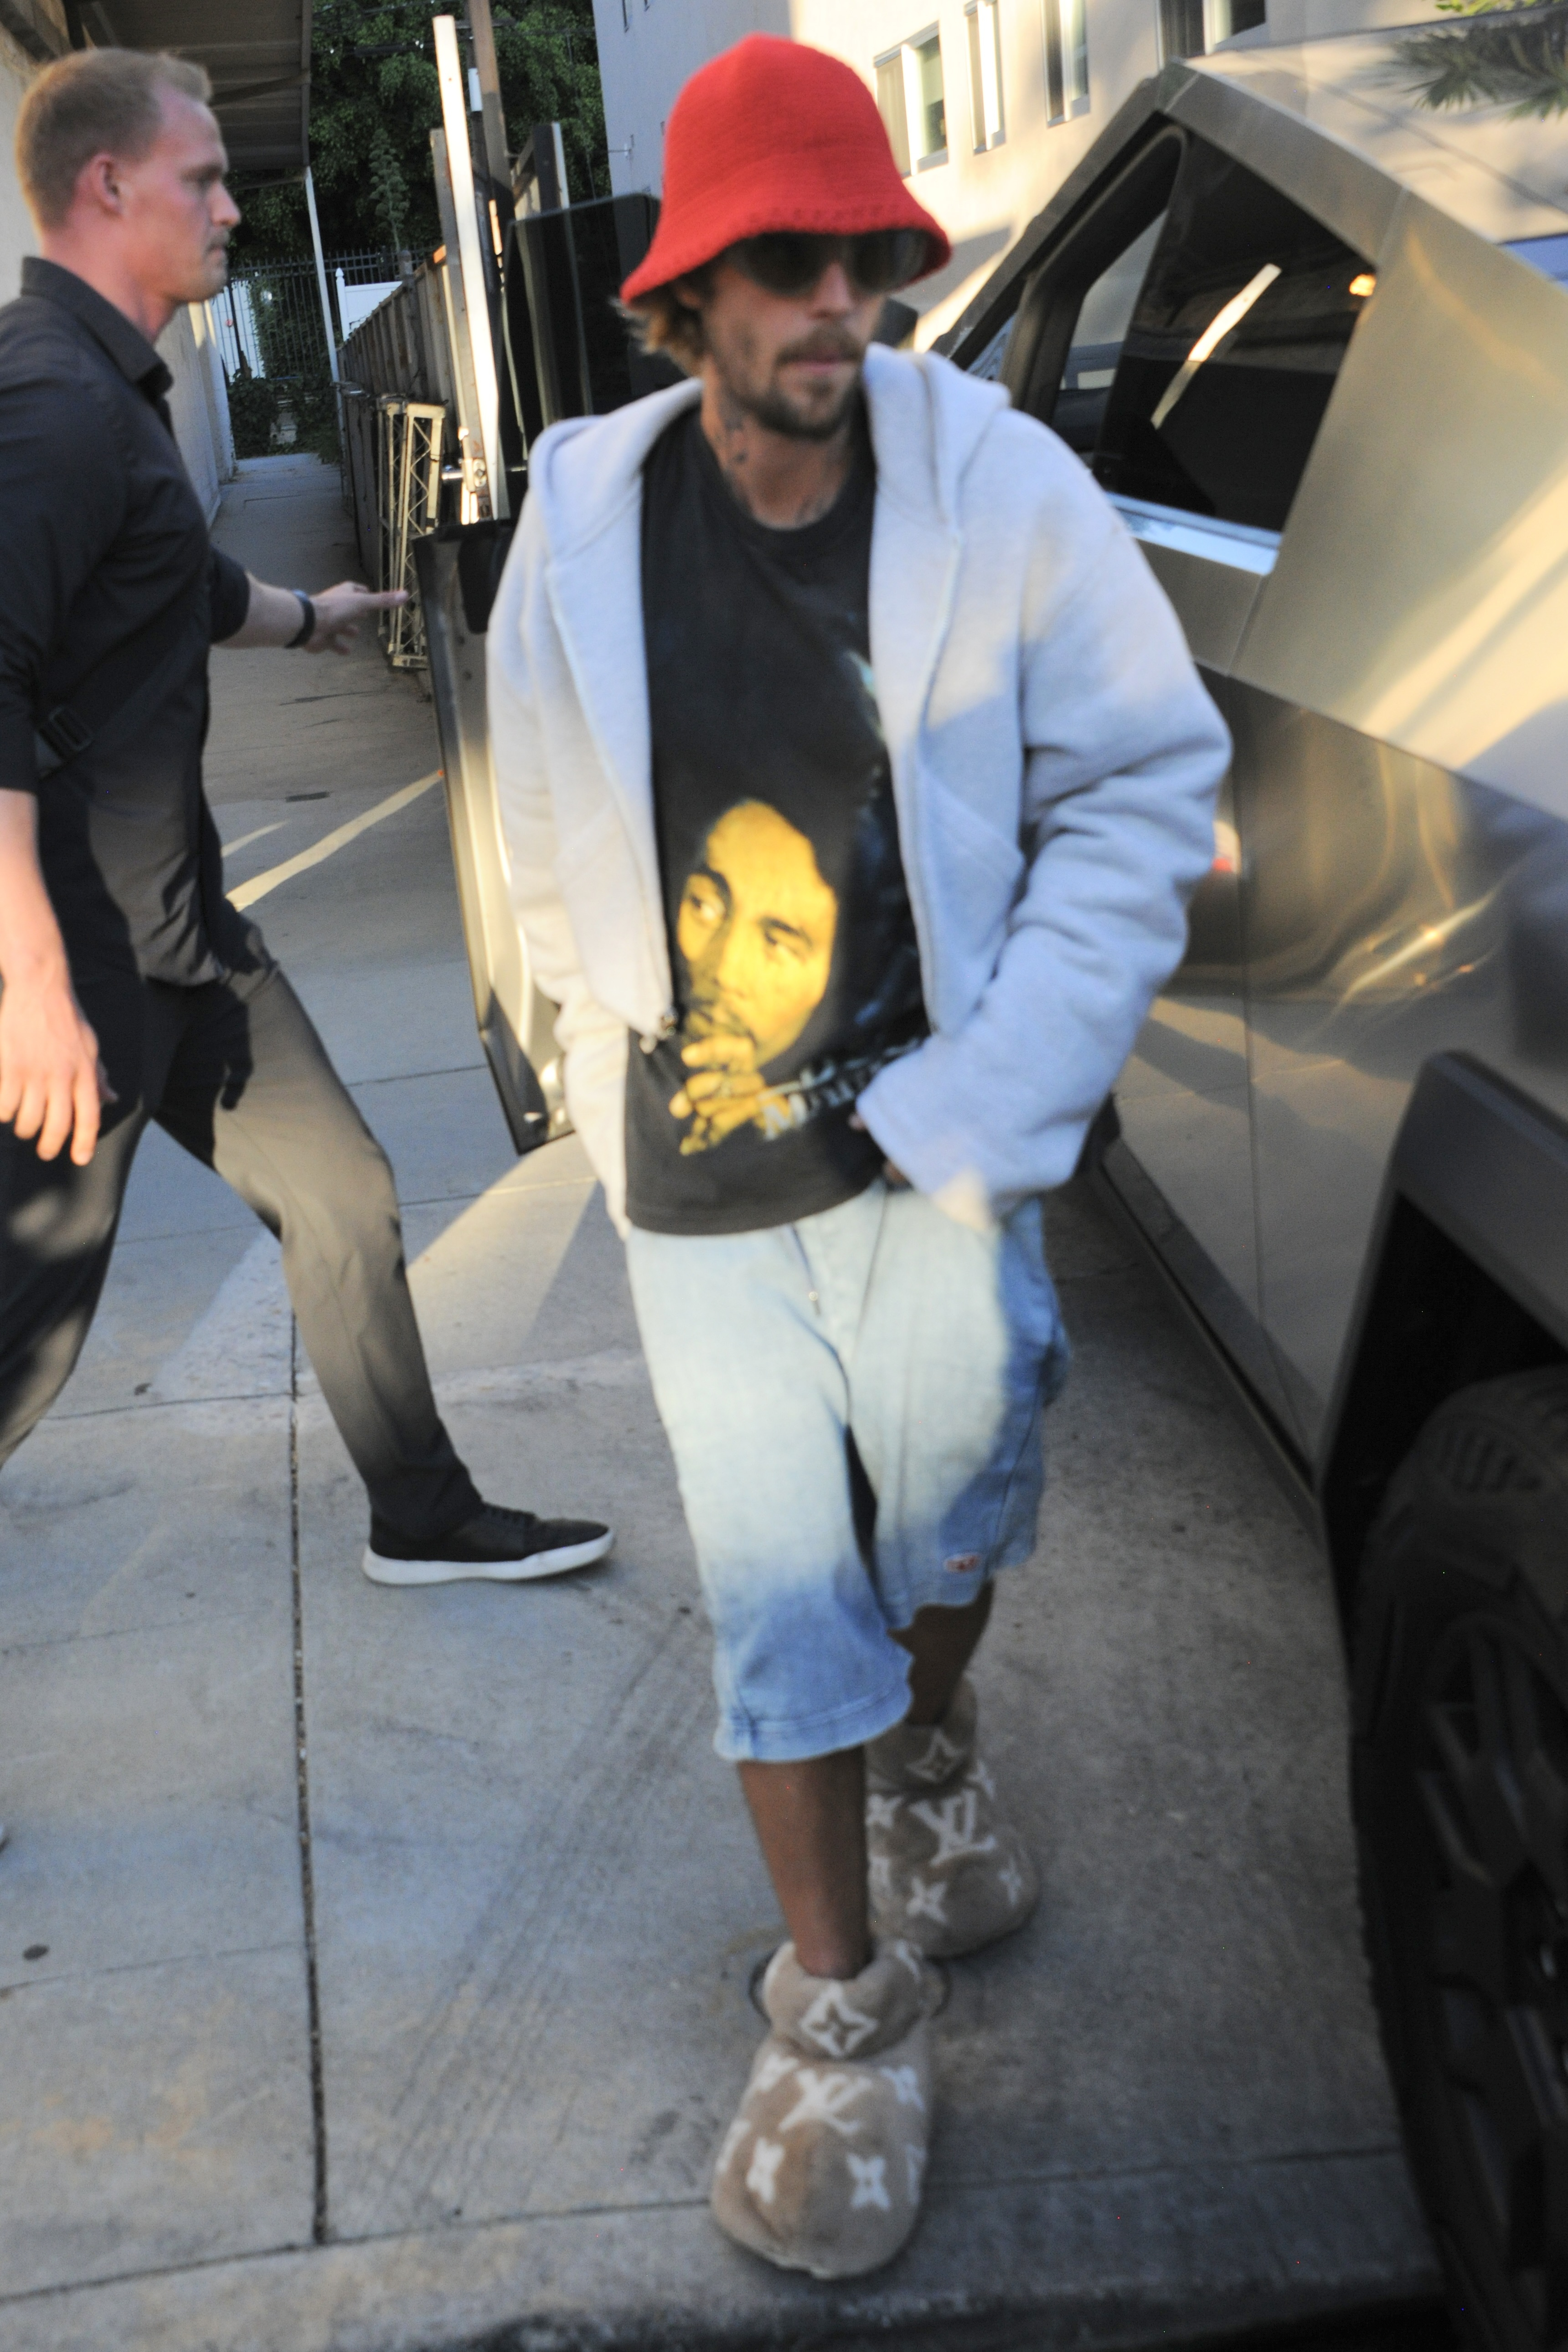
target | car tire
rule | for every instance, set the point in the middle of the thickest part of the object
(1459, 1782)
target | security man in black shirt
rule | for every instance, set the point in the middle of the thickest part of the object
(129, 987)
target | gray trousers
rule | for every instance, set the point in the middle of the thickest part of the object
(236, 1073)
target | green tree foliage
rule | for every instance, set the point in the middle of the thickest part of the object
(1515, 57)
(374, 100)
(388, 189)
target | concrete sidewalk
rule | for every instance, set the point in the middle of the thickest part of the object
(375, 1966)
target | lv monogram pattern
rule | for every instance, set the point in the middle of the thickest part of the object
(821, 2169)
(948, 1871)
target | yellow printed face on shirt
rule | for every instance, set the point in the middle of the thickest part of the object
(755, 930)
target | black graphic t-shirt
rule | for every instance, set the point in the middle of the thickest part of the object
(792, 944)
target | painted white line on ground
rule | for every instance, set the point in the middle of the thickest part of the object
(248, 892)
(247, 838)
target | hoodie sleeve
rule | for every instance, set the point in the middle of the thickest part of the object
(592, 1041)
(1122, 757)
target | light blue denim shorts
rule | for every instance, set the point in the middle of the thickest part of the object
(879, 1338)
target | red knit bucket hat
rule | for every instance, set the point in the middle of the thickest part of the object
(775, 135)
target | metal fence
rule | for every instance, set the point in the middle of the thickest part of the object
(269, 318)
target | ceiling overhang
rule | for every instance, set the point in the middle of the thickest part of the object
(258, 55)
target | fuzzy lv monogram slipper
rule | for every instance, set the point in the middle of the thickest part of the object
(820, 2170)
(949, 1872)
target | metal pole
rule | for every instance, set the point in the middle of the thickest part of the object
(476, 289)
(321, 274)
(460, 343)
(482, 34)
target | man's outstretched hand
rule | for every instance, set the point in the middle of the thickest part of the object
(52, 1084)
(340, 611)
(273, 615)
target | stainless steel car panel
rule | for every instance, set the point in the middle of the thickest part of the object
(516, 1022)
(1213, 601)
(1421, 593)
(1499, 174)
(1392, 912)
(1347, 192)
(1184, 1108)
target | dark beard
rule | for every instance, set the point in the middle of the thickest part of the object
(775, 413)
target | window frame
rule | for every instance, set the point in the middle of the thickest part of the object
(987, 107)
(906, 57)
(1066, 38)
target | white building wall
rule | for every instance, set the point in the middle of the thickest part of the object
(648, 49)
(16, 70)
(198, 401)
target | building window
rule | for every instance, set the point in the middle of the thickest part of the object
(933, 101)
(894, 112)
(1190, 28)
(914, 103)
(1067, 56)
(986, 124)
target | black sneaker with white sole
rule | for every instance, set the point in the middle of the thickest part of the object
(508, 1547)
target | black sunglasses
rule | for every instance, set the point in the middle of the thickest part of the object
(791, 262)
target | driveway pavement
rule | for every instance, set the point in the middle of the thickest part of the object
(375, 1966)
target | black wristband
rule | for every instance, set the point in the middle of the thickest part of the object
(307, 626)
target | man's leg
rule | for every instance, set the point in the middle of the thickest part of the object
(252, 1093)
(940, 1642)
(810, 1818)
(958, 1348)
(58, 1222)
(744, 1351)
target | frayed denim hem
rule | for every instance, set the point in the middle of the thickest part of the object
(741, 1742)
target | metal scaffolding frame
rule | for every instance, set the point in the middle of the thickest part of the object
(410, 433)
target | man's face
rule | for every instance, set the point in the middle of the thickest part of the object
(756, 928)
(175, 213)
(793, 363)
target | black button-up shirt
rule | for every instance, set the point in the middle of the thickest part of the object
(108, 571)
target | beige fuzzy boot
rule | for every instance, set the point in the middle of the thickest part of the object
(949, 1872)
(820, 2170)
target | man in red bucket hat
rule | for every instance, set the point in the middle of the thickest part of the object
(855, 776)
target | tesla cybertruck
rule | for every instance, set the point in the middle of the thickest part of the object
(1306, 321)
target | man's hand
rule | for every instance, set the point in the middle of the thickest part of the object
(725, 1090)
(340, 611)
(894, 1178)
(272, 616)
(52, 1083)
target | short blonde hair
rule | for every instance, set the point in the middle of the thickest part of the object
(94, 102)
(661, 321)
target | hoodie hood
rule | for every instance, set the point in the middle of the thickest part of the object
(926, 419)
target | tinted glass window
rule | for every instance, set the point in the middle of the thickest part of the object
(1103, 319)
(1238, 331)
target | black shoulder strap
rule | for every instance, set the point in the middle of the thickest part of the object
(122, 694)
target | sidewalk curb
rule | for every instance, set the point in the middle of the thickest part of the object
(1172, 2257)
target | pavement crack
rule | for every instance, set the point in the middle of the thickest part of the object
(302, 1783)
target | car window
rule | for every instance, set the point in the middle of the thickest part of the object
(1103, 319)
(988, 366)
(1548, 254)
(1238, 330)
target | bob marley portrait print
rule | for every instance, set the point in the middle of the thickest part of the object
(755, 935)
(793, 954)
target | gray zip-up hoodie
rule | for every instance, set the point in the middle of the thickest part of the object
(1055, 763)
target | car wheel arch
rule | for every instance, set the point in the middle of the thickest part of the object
(1465, 1280)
